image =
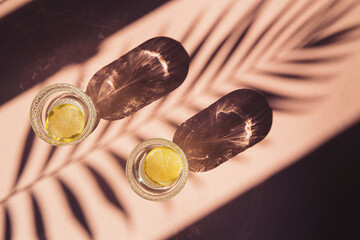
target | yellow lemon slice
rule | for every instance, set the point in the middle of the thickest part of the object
(65, 122)
(163, 165)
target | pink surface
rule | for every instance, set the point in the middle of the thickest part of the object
(313, 111)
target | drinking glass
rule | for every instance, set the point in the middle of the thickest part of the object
(53, 96)
(138, 180)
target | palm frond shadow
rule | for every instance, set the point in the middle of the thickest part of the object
(227, 50)
(49, 157)
(120, 161)
(38, 219)
(312, 40)
(214, 26)
(25, 154)
(8, 225)
(342, 36)
(243, 24)
(200, 161)
(329, 19)
(76, 208)
(106, 189)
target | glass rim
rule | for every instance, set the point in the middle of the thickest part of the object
(132, 179)
(42, 97)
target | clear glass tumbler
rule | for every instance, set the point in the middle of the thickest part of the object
(138, 180)
(53, 96)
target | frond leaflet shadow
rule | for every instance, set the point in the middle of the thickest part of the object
(38, 219)
(25, 154)
(75, 206)
(119, 160)
(106, 189)
(8, 226)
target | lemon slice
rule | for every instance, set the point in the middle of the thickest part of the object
(163, 165)
(65, 122)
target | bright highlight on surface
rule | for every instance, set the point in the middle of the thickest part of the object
(163, 165)
(65, 122)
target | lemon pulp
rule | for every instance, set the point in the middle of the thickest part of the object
(163, 165)
(65, 122)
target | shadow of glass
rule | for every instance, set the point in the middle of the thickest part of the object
(227, 127)
(146, 73)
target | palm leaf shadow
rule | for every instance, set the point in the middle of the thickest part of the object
(341, 36)
(312, 40)
(49, 157)
(214, 26)
(248, 18)
(25, 155)
(38, 219)
(192, 28)
(119, 160)
(8, 226)
(106, 189)
(315, 60)
(106, 129)
(329, 21)
(262, 35)
(238, 26)
(75, 207)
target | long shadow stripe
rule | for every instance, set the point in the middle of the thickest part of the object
(249, 20)
(292, 101)
(316, 59)
(313, 20)
(8, 226)
(293, 18)
(212, 28)
(38, 219)
(335, 37)
(119, 160)
(330, 21)
(75, 207)
(232, 51)
(264, 32)
(294, 76)
(341, 14)
(106, 129)
(193, 26)
(25, 154)
(48, 159)
(106, 189)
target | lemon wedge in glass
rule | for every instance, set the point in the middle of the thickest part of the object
(65, 122)
(163, 166)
